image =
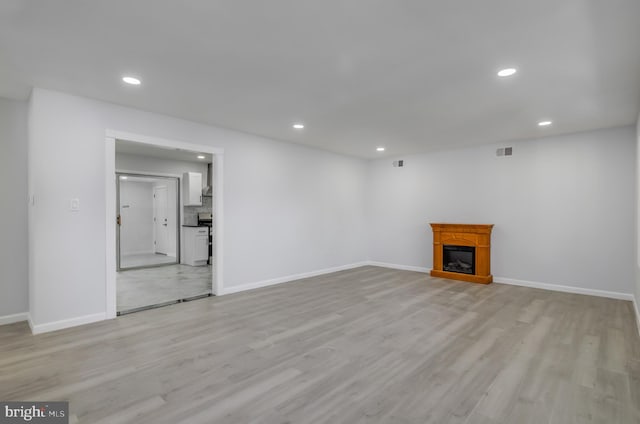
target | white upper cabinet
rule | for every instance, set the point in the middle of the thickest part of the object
(192, 188)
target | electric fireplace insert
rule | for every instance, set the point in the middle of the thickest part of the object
(460, 259)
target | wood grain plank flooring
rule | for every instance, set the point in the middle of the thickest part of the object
(368, 345)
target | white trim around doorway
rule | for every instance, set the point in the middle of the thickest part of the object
(110, 211)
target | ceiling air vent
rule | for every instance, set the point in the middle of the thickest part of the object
(504, 151)
(398, 163)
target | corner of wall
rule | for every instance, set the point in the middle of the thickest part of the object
(636, 299)
(30, 218)
(636, 307)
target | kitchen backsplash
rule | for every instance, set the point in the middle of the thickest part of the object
(190, 213)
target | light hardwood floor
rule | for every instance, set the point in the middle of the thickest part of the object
(368, 345)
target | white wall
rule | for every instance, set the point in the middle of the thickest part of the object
(563, 207)
(136, 210)
(289, 209)
(13, 208)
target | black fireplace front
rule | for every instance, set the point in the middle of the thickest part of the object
(460, 259)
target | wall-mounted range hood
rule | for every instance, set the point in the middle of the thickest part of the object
(208, 189)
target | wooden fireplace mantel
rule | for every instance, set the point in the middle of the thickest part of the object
(476, 235)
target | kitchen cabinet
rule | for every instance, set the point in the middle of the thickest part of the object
(192, 189)
(196, 245)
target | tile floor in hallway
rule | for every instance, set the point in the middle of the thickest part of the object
(145, 259)
(138, 288)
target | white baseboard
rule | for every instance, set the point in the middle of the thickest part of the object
(65, 323)
(566, 289)
(402, 267)
(10, 319)
(280, 280)
(524, 283)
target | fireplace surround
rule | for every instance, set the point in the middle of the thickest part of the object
(462, 252)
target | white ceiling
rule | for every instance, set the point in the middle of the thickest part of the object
(411, 75)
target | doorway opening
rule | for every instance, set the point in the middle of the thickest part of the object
(159, 192)
(148, 215)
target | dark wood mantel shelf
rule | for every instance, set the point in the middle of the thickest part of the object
(476, 235)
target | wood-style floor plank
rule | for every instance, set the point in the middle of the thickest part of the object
(367, 345)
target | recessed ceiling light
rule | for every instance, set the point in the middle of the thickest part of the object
(298, 126)
(200, 156)
(131, 80)
(380, 149)
(544, 123)
(123, 177)
(507, 72)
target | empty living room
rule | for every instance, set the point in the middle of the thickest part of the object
(393, 212)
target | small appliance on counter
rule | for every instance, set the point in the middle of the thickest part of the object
(205, 219)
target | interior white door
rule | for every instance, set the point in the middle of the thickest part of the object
(161, 219)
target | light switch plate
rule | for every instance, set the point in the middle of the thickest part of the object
(75, 205)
